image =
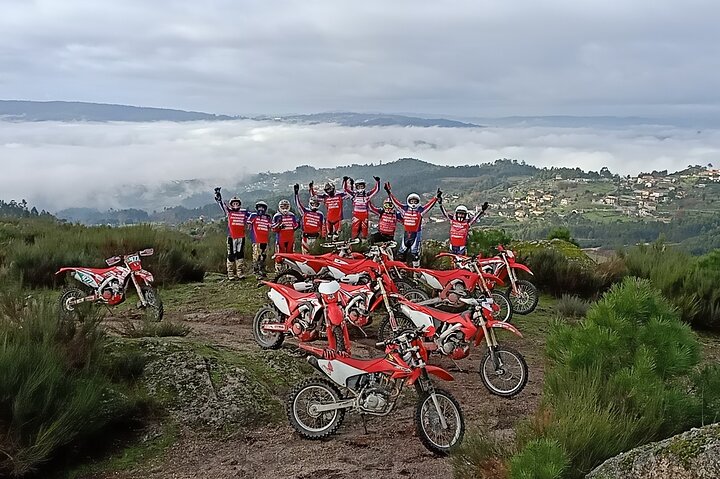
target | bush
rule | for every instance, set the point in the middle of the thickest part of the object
(562, 233)
(479, 457)
(619, 378)
(52, 391)
(540, 459)
(572, 307)
(555, 273)
(485, 241)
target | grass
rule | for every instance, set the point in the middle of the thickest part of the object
(215, 295)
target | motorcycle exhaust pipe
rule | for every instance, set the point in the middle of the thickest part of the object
(449, 331)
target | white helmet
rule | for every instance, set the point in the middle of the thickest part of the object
(461, 210)
(360, 184)
(329, 188)
(314, 203)
(261, 205)
(413, 201)
(284, 206)
(234, 203)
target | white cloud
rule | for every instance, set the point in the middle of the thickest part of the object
(59, 165)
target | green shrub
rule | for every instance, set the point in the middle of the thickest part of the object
(540, 459)
(572, 307)
(479, 457)
(485, 241)
(562, 233)
(555, 273)
(619, 378)
(52, 392)
(130, 329)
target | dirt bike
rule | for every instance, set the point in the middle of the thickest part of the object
(299, 267)
(522, 293)
(316, 406)
(454, 284)
(110, 286)
(503, 370)
(304, 315)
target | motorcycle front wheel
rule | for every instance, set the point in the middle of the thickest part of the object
(154, 310)
(507, 375)
(429, 426)
(266, 339)
(386, 332)
(301, 408)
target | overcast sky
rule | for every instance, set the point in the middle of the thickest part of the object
(462, 57)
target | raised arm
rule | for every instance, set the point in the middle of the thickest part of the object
(480, 213)
(219, 201)
(395, 201)
(445, 213)
(374, 208)
(347, 181)
(376, 188)
(298, 203)
(428, 206)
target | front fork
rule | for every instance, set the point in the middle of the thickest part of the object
(139, 290)
(492, 344)
(511, 276)
(424, 384)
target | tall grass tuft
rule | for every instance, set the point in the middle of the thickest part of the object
(571, 306)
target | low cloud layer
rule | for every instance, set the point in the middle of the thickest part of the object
(60, 165)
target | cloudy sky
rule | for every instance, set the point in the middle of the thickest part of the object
(461, 57)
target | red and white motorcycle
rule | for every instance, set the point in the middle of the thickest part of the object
(304, 315)
(316, 407)
(110, 286)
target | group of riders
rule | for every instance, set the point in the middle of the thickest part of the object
(315, 224)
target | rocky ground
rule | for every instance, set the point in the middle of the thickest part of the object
(216, 439)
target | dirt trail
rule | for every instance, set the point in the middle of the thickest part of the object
(389, 449)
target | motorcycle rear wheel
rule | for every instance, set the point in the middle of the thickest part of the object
(385, 331)
(67, 312)
(505, 313)
(312, 424)
(267, 340)
(154, 309)
(288, 277)
(428, 425)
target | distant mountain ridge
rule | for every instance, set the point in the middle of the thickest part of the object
(349, 118)
(21, 110)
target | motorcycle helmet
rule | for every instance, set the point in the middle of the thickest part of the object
(388, 205)
(413, 201)
(314, 203)
(461, 213)
(360, 185)
(234, 203)
(261, 207)
(284, 207)
(329, 188)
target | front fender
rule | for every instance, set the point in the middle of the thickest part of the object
(145, 275)
(503, 325)
(334, 314)
(522, 267)
(439, 372)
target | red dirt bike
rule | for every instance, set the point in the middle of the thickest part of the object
(316, 406)
(299, 267)
(110, 286)
(305, 315)
(454, 284)
(503, 370)
(522, 293)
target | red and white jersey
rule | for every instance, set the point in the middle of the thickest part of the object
(289, 224)
(360, 200)
(312, 221)
(236, 223)
(459, 232)
(412, 217)
(260, 232)
(387, 221)
(334, 204)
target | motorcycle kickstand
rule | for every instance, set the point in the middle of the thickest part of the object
(364, 423)
(459, 369)
(362, 331)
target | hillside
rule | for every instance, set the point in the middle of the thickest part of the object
(18, 110)
(371, 119)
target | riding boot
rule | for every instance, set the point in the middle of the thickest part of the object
(239, 274)
(230, 270)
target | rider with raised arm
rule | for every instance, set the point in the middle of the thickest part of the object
(360, 199)
(236, 219)
(334, 203)
(312, 220)
(388, 218)
(284, 225)
(460, 226)
(261, 224)
(412, 213)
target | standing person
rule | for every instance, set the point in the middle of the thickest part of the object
(260, 223)
(412, 213)
(236, 219)
(360, 199)
(334, 203)
(460, 226)
(284, 223)
(313, 221)
(388, 218)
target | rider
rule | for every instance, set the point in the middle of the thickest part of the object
(284, 223)
(260, 236)
(412, 213)
(388, 218)
(360, 200)
(313, 220)
(334, 203)
(460, 226)
(236, 219)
